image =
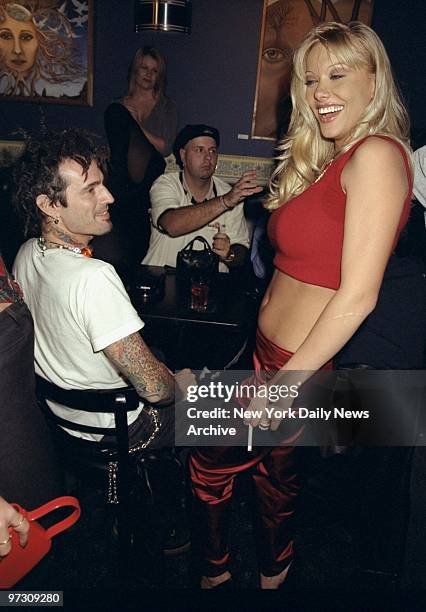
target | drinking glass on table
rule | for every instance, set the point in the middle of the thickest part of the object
(199, 293)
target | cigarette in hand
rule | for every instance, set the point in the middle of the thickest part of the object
(250, 438)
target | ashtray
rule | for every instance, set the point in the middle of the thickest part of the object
(148, 284)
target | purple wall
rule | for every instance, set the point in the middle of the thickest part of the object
(212, 72)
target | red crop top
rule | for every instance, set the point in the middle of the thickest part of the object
(307, 231)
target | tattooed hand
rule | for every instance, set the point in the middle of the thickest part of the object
(151, 378)
(184, 378)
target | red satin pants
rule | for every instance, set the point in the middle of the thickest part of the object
(213, 470)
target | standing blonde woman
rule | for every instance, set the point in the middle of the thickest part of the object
(147, 102)
(340, 197)
(141, 129)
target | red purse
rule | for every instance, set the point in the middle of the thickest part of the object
(20, 561)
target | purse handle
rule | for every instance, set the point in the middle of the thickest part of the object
(54, 504)
(189, 246)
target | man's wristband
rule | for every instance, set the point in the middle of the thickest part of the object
(230, 258)
(224, 204)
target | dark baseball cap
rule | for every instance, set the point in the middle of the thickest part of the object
(193, 131)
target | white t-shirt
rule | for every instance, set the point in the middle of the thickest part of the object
(419, 187)
(79, 306)
(168, 192)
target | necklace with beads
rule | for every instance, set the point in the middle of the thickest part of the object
(43, 245)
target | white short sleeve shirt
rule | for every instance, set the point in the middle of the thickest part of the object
(79, 306)
(168, 192)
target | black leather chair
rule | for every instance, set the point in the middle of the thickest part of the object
(107, 463)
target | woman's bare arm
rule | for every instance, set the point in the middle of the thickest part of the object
(376, 185)
(375, 181)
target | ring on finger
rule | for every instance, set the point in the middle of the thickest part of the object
(21, 520)
(4, 542)
(264, 425)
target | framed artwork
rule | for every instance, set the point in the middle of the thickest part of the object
(284, 24)
(10, 150)
(46, 51)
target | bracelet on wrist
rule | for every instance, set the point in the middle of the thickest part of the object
(224, 204)
(229, 258)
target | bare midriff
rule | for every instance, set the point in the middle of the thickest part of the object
(290, 309)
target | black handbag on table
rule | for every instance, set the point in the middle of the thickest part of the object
(192, 262)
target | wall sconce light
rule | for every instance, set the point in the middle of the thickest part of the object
(163, 15)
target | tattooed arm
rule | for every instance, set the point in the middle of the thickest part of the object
(151, 379)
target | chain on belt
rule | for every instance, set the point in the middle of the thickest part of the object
(112, 496)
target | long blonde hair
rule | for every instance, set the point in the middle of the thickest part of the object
(304, 152)
(138, 58)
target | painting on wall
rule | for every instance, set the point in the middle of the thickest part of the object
(46, 51)
(284, 24)
(10, 150)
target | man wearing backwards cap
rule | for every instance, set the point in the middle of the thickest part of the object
(192, 203)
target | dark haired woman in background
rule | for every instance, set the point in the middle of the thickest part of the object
(141, 129)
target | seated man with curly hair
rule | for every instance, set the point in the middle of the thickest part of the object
(86, 329)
